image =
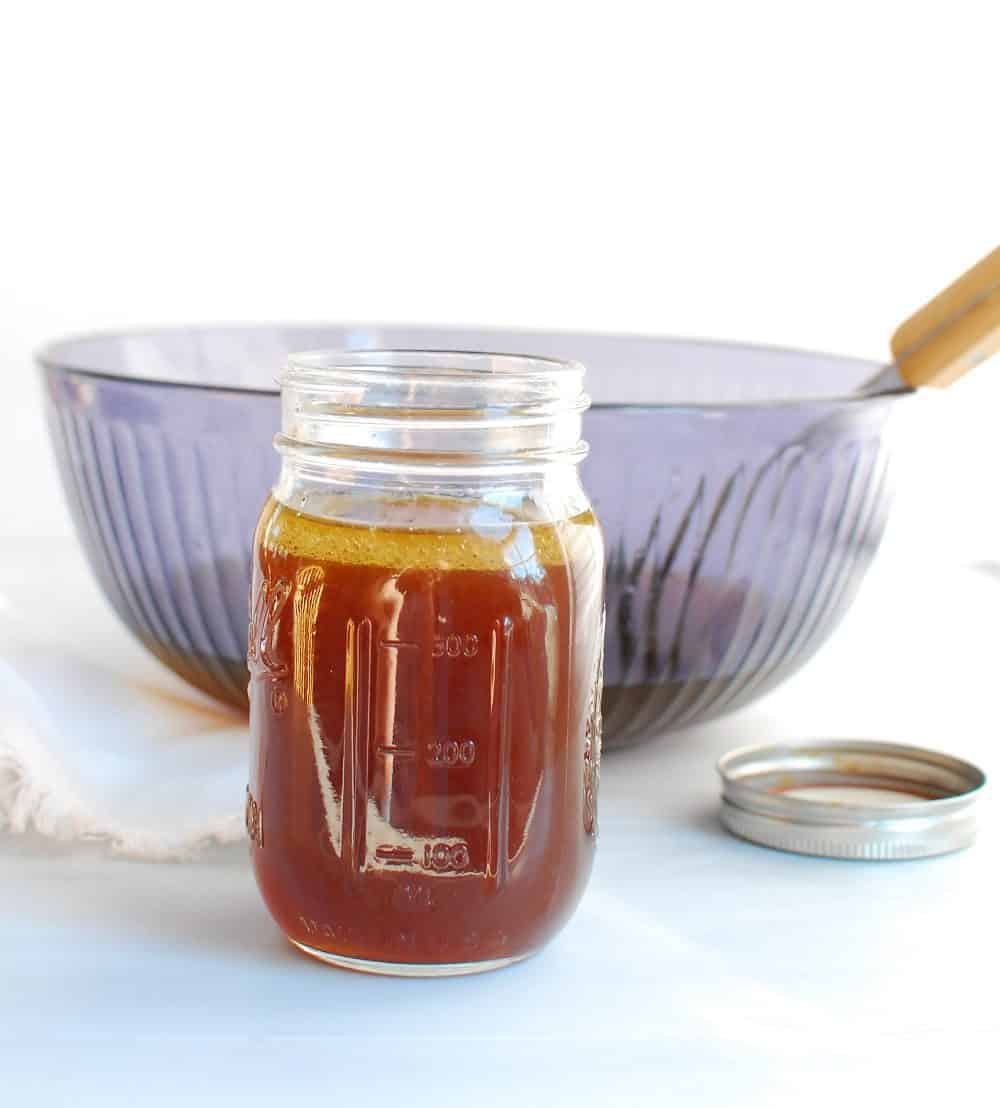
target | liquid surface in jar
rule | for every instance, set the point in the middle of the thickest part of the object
(426, 735)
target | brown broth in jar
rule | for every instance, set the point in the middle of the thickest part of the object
(425, 708)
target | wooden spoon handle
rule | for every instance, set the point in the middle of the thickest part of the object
(958, 329)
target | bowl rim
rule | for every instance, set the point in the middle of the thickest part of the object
(55, 356)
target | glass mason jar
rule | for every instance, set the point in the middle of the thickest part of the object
(425, 653)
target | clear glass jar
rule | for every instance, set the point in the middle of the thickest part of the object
(425, 654)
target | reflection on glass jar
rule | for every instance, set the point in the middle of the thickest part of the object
(425, 651)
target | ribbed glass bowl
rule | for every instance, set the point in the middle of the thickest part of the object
(742, 492)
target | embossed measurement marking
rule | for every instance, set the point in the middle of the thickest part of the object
(385, 701)
(451, 753)
(446, 856)
(394, 855)
(412, 898)
(397, 669)
(455, 646)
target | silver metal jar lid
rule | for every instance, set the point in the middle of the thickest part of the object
(851, 799)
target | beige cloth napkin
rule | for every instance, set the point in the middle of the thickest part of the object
(97, 740)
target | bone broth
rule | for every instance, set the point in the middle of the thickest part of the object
(425, 707)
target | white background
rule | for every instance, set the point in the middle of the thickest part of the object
(803, 173)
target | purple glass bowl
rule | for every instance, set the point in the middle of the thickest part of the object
(742, 492)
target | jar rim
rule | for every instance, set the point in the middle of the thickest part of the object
(313, 367)
(456, 405)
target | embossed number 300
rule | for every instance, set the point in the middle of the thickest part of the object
(455, 646)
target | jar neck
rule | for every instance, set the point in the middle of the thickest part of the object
(436, 416)
(500, 433)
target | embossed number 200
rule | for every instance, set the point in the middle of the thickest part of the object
(452, 753)
(455, 646)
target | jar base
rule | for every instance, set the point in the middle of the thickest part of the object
(408, 969)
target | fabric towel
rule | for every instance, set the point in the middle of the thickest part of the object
(97, 739)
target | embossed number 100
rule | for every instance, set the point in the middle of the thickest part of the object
(445, 856)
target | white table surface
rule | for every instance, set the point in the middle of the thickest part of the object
(698, 970)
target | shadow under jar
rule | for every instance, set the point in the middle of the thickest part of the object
(425, 653)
